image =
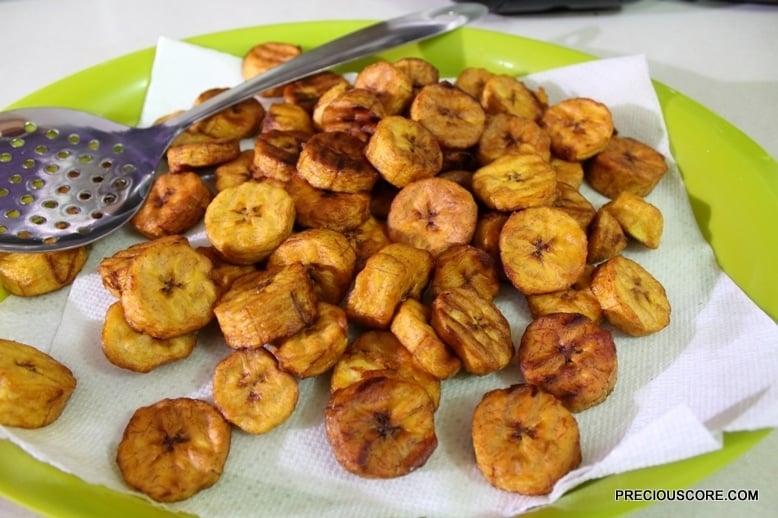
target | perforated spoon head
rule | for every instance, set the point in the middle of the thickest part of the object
(68, 178)
(71, 177)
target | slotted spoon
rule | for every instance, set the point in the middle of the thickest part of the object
(68, 178)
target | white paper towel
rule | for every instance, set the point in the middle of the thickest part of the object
(715, 368)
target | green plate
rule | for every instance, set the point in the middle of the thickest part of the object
(724, 172)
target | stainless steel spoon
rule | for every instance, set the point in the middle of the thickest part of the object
(68, 178)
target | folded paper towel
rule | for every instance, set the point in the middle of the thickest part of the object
(713, 369)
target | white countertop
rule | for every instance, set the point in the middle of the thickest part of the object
(721, 54)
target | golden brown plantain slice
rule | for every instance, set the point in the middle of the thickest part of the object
(247, 222)
(240, 121)
(234, 172)
(638, 218)
(321, 208)
(412, 328)
(253, 392)
(34, 386)
(626, 164)
(465, 266)
(138, 352)
(524, 439)
(402, 150)
(381, 427)
(579, 128)
(503, 93)
(475, 328)
(487, 235)
(266, 305)
(420, 71)
(316, 348)
(349, 110)
(606, 238)
(392, 86)
(335, 161)
(571, 173)
(506, 133)
(432, 214)
(328, 257)
(288, 117)
(306, 92)
(276, 153)
(174, 448)
(262, 57)
(168, 290)
(379, 353)
(542, 249)
(570, 200)
(367, 239)
(572, 300)
(471, 80)
(32, 274)
(632, 299)
(175, 204)
(113, 269)
(455, 118)
(516, 181)
(223, 272)
(208, 153)
(570, 357)
(394, 273)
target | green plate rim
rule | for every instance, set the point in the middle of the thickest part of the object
(701, 142)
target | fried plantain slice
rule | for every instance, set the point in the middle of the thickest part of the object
(506, 133)
(234, 172)
(632, 299)
(34, 386)
(138, 352)
(605, 237)
(288, 117)
(321, 208)
(626, 164)
(475, 328)
(262, 57)
(392, 86)
(524, 439)
(113, 269)
(223, 272)
(420, 72)
(579, 128)
(571, 357)
(571, 173)
(328, 257)
(503, 93)
(572, 300)
(306, 92)
(175, 204)
(516, 181)
(471, 80)
(316, 348)
(266, 305)
(412, 328)
(349, 110)
(335, 160)
(381, 427)
(639, 219)
(379, 353)
(465, 266)
(168, 290)
(394, 273)
(247, 222)
(402, 150)
(276, 153)
(174, 448)
(487, 235)
(455, 118)
(201, 154)
(571, 201)
(239, 121)
(253, 392)
(32, 274)
(367, 239)
(542, 249)
(432, 214)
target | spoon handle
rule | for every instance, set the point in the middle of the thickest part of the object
(363, 42)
